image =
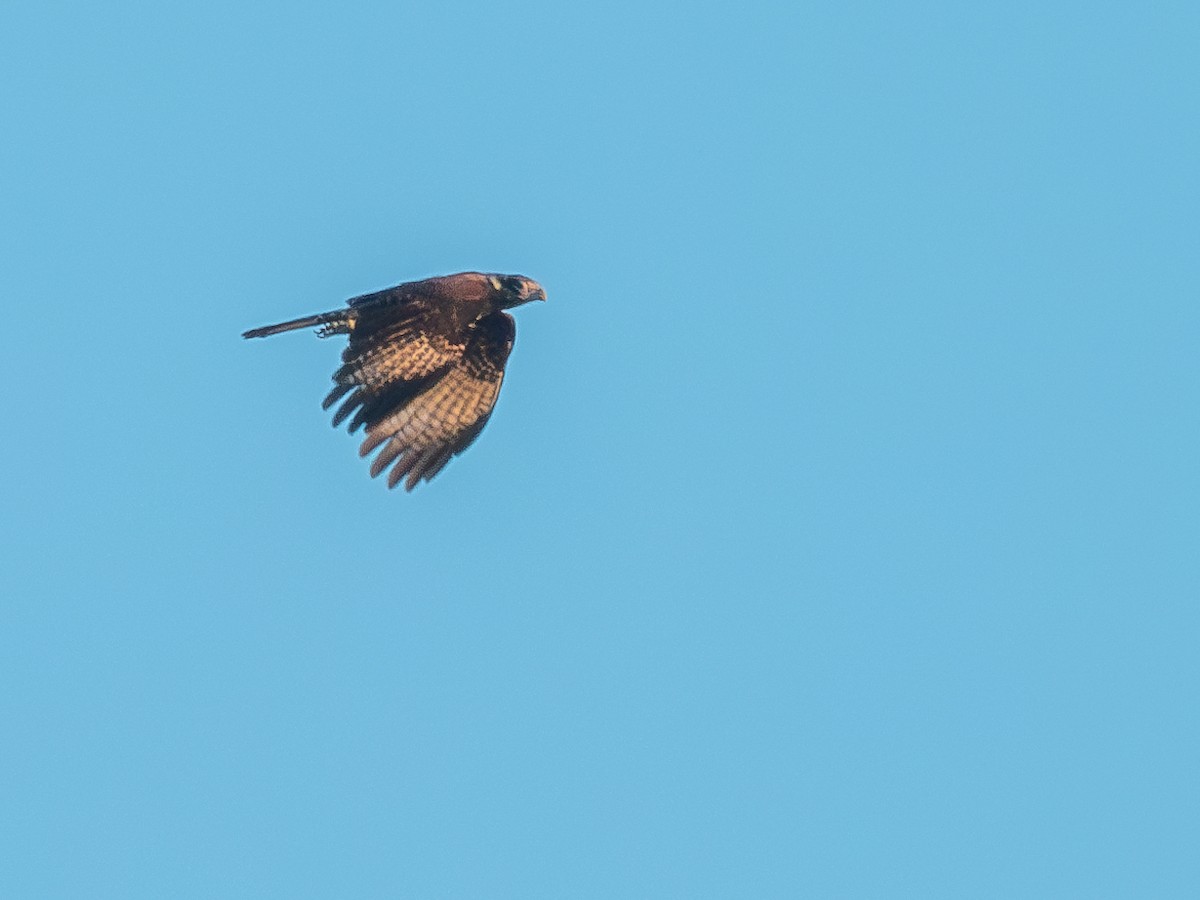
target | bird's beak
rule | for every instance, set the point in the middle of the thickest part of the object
(535, 293)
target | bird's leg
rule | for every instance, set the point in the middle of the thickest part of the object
(343, 326)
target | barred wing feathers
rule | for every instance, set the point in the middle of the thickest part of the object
(424, 428)
(390, 360)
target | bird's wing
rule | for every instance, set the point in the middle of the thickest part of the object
(423, 432)
(400, 295)
(391, 357)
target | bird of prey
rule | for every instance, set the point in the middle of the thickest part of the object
(423, 367)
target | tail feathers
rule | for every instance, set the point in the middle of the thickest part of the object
(335, 322)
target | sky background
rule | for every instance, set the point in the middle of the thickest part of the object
(836, 531)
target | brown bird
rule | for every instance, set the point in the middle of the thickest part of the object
(423, 367)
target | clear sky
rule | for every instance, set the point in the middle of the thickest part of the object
(836, 531)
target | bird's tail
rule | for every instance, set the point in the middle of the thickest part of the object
(334, 322)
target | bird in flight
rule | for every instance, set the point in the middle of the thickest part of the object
(423, 367)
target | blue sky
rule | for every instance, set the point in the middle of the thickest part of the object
(835, 534)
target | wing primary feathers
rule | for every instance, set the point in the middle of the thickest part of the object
(360, 417)
(402, 468)
(436, 464)
(371, 441)
(336, 394)
(386, 457)
(348, 407)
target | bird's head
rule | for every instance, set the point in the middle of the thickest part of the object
(515, 290)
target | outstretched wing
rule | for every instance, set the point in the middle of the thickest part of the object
(393, 355)
(422, 433)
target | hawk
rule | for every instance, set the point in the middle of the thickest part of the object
(423, 367)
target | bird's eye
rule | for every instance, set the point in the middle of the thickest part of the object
(511, 284)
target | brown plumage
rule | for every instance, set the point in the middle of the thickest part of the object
(423, 367)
